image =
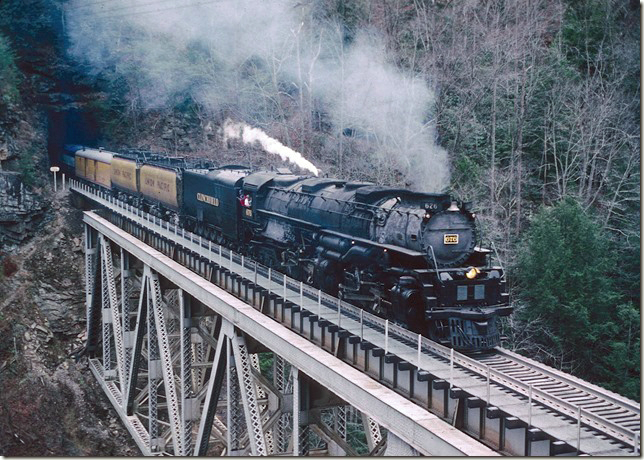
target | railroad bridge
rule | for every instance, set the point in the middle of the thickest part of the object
(204, 352)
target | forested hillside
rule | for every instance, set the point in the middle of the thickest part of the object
(530, 109)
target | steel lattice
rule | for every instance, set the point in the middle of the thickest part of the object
(110, 301)
(153, 357)
(235, 412)
(166, 363)
(176, 357)
(249, 398)
(372, 430)
(126, 292)
(186, 377)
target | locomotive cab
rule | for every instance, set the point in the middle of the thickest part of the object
(250, 193)
(255, 188)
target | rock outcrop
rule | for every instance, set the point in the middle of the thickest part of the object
(50, 404)
(20, 209)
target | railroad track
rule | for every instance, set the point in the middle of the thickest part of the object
(604, 410)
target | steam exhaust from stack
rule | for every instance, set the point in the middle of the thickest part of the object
(249, 135)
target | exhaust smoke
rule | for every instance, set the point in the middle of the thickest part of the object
(249, 135)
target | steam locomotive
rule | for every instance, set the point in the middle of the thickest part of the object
(407, 256)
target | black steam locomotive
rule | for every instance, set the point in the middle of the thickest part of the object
(407, 256)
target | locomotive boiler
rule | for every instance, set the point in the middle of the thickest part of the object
(411, 257)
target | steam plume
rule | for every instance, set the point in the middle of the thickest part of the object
(250, 135)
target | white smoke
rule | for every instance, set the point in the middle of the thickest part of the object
(390, 108)
(250, 135)
(282, 62)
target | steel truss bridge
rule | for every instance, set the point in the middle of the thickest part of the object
(202, 351)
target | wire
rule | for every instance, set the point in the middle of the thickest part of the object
(127, 7)
(87, 5)
(139, 13)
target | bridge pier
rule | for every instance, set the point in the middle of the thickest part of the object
(474, 413)
(493, 427)
(514, 435)
(538, 443)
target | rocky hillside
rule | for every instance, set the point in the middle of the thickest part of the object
(49, 404)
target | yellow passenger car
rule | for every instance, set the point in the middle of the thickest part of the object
(161, 185)
(95, 166)
(80, 166)
(125, 174)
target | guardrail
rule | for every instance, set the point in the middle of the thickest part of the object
(289, 288)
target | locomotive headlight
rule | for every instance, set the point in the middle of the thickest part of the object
(472, 273)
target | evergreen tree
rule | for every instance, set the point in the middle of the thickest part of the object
(567, 283)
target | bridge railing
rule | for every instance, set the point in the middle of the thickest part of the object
(389, 336)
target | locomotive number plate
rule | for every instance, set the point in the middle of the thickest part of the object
(450, 238)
